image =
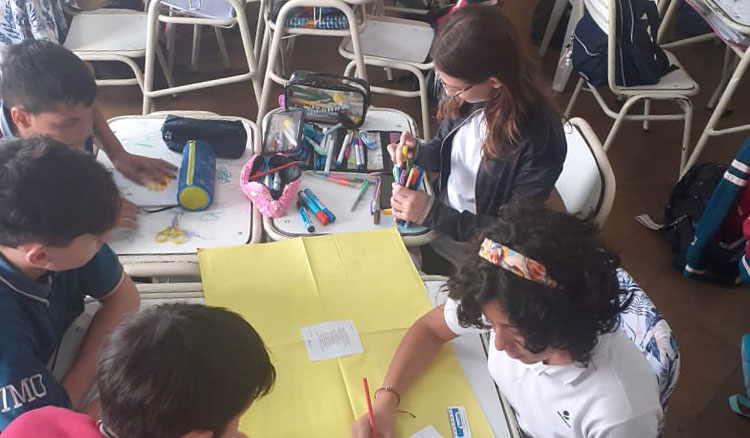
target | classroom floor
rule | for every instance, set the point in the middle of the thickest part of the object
(708, 320)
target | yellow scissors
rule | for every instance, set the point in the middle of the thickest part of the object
(173, 232)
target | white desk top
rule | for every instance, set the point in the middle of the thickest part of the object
(339, 198)
(468, 349)
(229, 220)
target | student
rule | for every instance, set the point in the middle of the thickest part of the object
(546, 289)
(59, 207)
(499, 138)
(171, 371)
(47, 90)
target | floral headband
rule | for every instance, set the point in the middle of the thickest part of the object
(515, 262)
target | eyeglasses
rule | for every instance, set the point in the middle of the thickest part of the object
(453, 91)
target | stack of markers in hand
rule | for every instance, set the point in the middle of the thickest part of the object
(408, 175)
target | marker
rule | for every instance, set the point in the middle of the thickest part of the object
(367, 140)
(369, 407)
(362, 191)
(277, 181)
(310, 227)
(405, 151)
(344, 147)
(320, 205)
(322, 217)
(419, 179)
(329, 153)
(357, 154)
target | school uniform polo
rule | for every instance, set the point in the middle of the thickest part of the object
(7, 127)
(616, 396)
(34, 315)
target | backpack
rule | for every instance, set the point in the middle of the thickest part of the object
(704, 220)
(638, 59)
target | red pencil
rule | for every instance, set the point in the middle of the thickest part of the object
(369, 408)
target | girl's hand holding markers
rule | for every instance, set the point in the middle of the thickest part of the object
(396, 150)
(410, 205)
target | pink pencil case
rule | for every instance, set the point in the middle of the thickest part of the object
(270, 201)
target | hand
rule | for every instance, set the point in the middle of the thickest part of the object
(384, 412)
(408, 205)
(142, 169)
(128, 215)
(407, 140)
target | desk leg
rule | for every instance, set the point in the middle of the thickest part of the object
(739, 72)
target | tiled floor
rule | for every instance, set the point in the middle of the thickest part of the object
(707, 319)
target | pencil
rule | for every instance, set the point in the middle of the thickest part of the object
(369, 408)
(362, 191)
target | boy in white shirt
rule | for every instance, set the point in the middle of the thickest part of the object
(547, 291)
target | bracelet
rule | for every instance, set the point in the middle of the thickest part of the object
(389, 389)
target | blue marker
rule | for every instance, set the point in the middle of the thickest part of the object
(310, 227)
(322, 217)
(320, 205)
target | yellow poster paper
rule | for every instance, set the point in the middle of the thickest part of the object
(365, 277)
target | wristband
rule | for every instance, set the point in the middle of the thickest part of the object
(389, 389)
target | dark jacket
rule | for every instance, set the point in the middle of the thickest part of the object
(529, 171)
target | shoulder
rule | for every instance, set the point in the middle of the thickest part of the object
(101, 275)
(52, 421)
(621, 380)
(542, 129)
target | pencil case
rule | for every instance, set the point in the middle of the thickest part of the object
(258, 184)
(227, 137)
(195, 185)
(328, 99)
(283, 134)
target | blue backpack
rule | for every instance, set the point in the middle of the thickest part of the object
(638, 59)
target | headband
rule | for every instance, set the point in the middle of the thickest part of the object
(515, 262)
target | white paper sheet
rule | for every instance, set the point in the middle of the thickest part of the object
(427, 432)
(330, 340)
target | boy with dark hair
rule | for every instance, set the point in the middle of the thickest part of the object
(48, 90)
(171, 371)
(59, 207)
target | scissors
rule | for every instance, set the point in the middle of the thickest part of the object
(173, 232)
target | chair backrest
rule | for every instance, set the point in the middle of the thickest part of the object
(587, 183)
(649, 331)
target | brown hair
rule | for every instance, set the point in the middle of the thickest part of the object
(478, 42)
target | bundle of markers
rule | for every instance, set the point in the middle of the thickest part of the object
(408, 174)
(355, 144)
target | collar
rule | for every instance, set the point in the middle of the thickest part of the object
(567, 374)
(18, 282)
(5, 121)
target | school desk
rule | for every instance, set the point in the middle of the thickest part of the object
(230, 220)
(470, 350)
(339, 198)
(730, 21)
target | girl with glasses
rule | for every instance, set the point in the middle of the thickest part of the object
(499, 137)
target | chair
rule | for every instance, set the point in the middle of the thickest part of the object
(117, 35)
(587, 183)
(382, 40)
(280, 30)
(675, 86)
(237, 18)
(646, 327)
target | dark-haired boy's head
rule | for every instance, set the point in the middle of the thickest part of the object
(58, 204)
(179, 368)
(48, 90)
(535, 318)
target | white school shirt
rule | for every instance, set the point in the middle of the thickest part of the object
(616, 396)
(466, 156)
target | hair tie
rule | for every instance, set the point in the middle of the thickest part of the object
(515, 262)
